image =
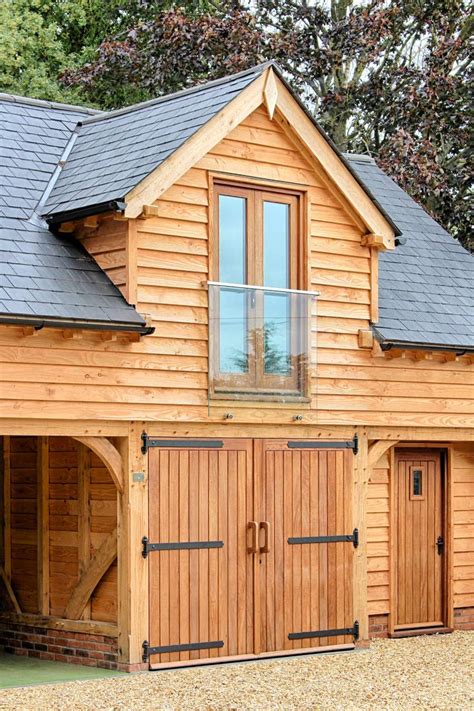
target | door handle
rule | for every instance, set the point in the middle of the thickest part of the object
(440, 544)
(253, 527)
(265, 526)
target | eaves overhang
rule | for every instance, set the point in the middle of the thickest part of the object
(80, 324)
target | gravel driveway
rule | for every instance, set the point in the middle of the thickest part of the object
(417, 673)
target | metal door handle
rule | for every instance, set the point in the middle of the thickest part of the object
(440, 544)
(253, 526)
(265, 526)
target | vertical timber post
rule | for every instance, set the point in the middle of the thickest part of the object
(361, 482)
(132, 567)
(43, 524)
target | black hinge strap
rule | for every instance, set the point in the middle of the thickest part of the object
(328, 444)
(349, 538)
(177, 546)
(170, 648)
(354, 631)
(180, 443)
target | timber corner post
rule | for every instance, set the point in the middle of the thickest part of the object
(132, 567)
(361, 481)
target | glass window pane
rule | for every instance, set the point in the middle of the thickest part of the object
(276, 264)
(417, 482)
(277, 334)
(233, 349)
(232, 238)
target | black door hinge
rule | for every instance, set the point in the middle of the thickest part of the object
(325, 444)
(349, 538)
(148, 442)
(318, 634)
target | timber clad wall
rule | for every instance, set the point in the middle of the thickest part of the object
(109, 249)
(378, 535)
(463, 525)
(23, 482)
(164, 376)
(72, 539)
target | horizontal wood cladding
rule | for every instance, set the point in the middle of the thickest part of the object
(162, 263)
(463, 524)
(378, 537)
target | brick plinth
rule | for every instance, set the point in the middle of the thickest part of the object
(378, 626)
(92, 650)
(464, 618)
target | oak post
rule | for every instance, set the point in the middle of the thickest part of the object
(132, 567)
(43, 524)
(361, 480)
(84, 520)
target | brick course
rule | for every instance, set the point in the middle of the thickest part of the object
(91, 650)
(464, 618)
(378, 626)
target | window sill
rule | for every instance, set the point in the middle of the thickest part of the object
(281, 398)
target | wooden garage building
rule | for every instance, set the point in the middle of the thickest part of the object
(237, 386)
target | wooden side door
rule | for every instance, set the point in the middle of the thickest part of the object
(419, 544)
(305, 566)
(201, 575)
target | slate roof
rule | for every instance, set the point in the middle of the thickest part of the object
(46, 279)
(76, 160)
(112, 153)
(426, 286)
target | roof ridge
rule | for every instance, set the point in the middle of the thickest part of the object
(44, 103)
(361, 157)
(258, 68)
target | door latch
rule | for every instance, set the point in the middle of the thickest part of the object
(440, 544)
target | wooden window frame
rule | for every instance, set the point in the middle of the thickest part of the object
(413, 469)
(264, 387)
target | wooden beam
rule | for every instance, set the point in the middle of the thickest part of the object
(374, 285)
(84, 515)
(59, 623)
(7, 529)
(333, 166)
(200, 143)
(89, 580)
(91, 221)
(378, 449)
(365, 338)
(361, 484)
(375, 241)
(10, 592)
(131, 255)
(106, 451)
(67, 227)
(42, 522)
(132, 567)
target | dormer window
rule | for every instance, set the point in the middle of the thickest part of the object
(259, 319)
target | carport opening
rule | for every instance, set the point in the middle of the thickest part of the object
(58, 511)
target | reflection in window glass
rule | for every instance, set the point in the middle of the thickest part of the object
(277, 334)
(276, 244)
(417, 482)
(232, 238)
(233, 357)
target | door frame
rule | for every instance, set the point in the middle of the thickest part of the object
(445, 451)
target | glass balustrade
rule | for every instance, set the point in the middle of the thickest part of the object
(260, 341)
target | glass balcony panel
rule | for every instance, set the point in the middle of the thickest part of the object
(259, 341)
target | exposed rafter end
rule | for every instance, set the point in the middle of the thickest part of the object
(376, 242)
(365, 338)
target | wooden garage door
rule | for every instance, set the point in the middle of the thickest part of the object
(250, 548)
(200, 574)
(306, 585)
